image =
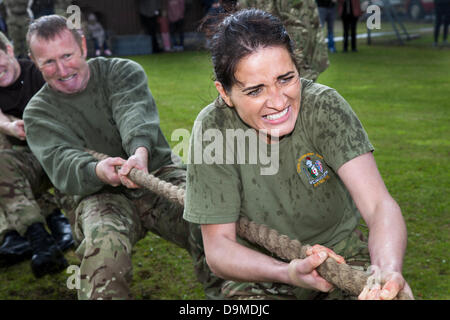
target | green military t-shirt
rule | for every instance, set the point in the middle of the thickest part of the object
(304, 198)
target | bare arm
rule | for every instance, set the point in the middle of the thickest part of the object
(387, 229)
(230, 260)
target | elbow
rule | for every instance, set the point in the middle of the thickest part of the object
(214, 265)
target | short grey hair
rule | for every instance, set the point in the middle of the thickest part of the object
(48, 27)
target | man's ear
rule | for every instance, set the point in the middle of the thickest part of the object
(223, 94)
(84, 46)
(30, 55)
(10, 50)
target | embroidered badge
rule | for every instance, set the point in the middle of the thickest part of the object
(311, 165)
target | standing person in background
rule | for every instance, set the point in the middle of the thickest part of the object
(175, 13)
(327, 14)
(163, 22)
(442, 10)
(149, 11)
(301, 18)
(349, 11)
(97, 32)
(17, 19)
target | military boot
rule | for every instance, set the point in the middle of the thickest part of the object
(60, 227)
(47, 257)
(14, 249)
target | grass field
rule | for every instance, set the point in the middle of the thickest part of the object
(400, 93)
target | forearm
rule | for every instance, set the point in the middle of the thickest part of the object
(387, 237)
(230, 260)
(240, 263)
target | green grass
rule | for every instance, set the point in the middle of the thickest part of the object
(400, 93)
(385, 26)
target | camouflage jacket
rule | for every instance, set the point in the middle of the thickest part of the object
(301, 19)
(16, 7)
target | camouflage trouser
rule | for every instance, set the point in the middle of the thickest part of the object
(4, 143)
(108, 225)
(22, 181)
(355, 251)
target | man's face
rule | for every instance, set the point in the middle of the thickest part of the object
(9, 67)
(62, 62)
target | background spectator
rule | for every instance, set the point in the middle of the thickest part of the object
(175, 11)
(349, 10)
(442, 9)
(327, 14)
(98, 35)
(17, 20)
(163, 22)
(149, 11)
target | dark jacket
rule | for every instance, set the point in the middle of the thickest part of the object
(355, 6)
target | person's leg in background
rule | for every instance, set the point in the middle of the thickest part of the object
(346, 27)
(353, 24)
(331, 15)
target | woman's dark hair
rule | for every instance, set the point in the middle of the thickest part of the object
(240, 34)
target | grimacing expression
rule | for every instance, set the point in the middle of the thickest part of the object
(267, 93)
(62, 62)
(9, 67)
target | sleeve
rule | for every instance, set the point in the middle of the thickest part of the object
(60, 152)
(337, 132)
(213, 191)
(134, 109)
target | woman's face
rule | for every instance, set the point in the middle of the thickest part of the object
(267, 93)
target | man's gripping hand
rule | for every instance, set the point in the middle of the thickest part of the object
(106, 171)
(139, 161)
(17, 129)
(384, 285)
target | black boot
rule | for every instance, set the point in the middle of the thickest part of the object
(47, 258)
(14, 249)
(61, 231)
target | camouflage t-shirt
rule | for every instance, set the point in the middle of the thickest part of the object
(305, 199)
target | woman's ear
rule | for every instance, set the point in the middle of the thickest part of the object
(223, 94)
